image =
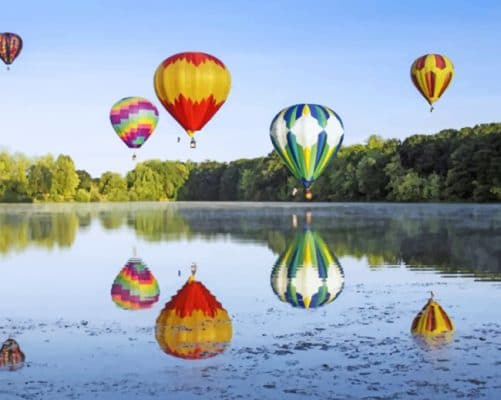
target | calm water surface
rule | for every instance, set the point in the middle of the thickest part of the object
(58, 264)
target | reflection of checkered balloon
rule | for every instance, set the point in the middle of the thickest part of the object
(306, 137)
(135, 287)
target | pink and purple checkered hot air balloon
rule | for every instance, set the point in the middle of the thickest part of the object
(134, 119)
(135, 287)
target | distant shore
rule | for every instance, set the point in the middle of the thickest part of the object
(451, 166)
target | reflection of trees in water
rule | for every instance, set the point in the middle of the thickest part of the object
(445, 238)
(48, 230)
(158, 225)
(448, 240)
(112, 219)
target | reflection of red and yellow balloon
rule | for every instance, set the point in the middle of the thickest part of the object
(432, 321)
(432, 74)
(11, 356)
(193, 324)
(192, 86)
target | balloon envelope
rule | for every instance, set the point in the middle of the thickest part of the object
(193, 324)
(135, 287)
(306, 137)
(432, 74)
(307, 274)
(134, 120)
(192, 86)
(10, 47)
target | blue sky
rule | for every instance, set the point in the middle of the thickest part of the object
(80, 57)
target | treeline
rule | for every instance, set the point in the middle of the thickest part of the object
(453, 165)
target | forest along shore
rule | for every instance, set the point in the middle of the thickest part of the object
(452, 165)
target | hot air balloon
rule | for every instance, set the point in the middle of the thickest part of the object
(10, 47)
(11, 356)
(135, 287)
(192, 87)
(193, 325)
(307, 274)
(432, 74)
(134, 119)
(306, 137)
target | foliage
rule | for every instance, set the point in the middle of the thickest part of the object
(453, 165)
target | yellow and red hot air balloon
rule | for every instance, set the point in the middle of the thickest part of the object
(432, 74)
(193, 324)
(433, 324)
(11, 356)
(192, 86)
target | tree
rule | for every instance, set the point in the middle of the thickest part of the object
(144, 184)
(64, 179)
(113, 187)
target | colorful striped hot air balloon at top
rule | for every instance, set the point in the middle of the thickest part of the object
(10, 47)
(432, 74)
(432, 322)
(134, 120)
(307, 274)
(135, 287)
(306, 137)
(193, 325)
(11, 356)
(192, 87)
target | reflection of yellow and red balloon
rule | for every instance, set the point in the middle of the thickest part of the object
(432, 74)
(11, 356)
(192, 86)
(135, 287)
(193, 324)
(433, 324)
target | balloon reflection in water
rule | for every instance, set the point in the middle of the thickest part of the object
(135, 287)
(432, 326)
(307, 274)
(193, 324)
(11, 356)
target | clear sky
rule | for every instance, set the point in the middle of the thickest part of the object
(80, 57)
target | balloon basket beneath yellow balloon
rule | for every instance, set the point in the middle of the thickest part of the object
(308, 195)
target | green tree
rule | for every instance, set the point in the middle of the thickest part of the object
(113, 187)
(64, 179)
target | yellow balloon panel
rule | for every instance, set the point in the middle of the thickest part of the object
(196, 336)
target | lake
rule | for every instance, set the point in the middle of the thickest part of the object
(291, 336)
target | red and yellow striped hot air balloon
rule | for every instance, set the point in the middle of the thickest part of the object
(432, 74)
(11, 45)
(192, 87)
(11, 356)
(433, 324)
(193, 325)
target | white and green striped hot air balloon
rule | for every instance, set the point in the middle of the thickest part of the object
(307, 274)
(307, 137)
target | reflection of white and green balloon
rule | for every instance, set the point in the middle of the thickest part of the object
(306, 137)
(307, 274)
